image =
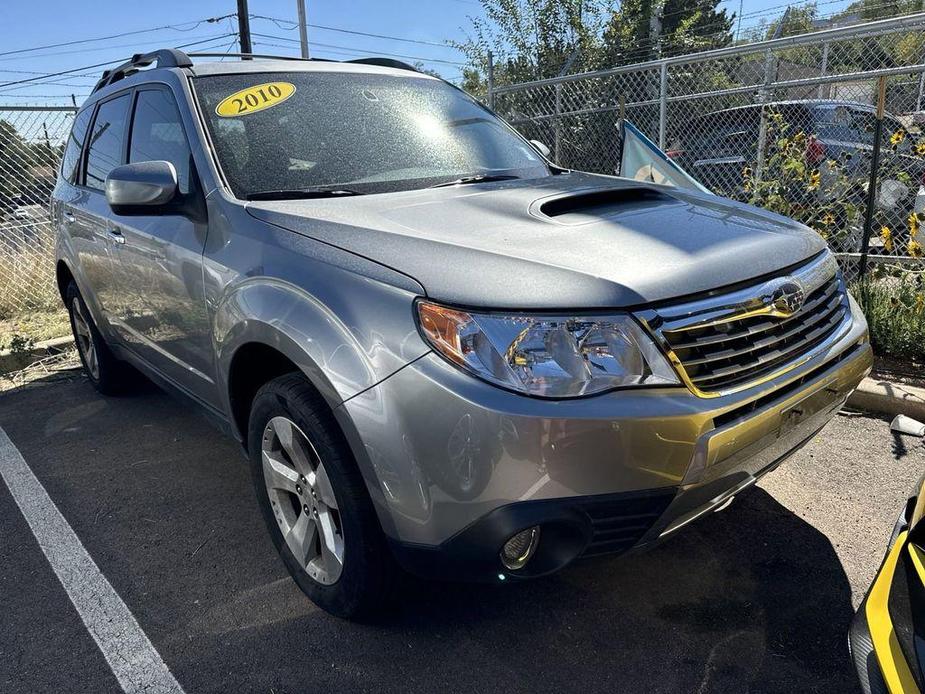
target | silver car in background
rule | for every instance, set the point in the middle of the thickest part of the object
(441, 352)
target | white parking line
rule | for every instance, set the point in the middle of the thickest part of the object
(129, 652)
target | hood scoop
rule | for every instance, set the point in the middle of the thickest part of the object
(595, 205)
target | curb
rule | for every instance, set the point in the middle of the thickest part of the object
(889, 398)
(10, 362)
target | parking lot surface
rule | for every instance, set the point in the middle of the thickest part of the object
(757, 597)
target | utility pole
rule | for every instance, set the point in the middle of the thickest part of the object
(656, 9)
(244, 27)
(303, 27)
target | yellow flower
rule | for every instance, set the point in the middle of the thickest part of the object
(897, 137)
(919, 303)
(814, 179)
(822, 232)
(828, 219)
(913, 223)
(887, 237)
(915, 249)
(920, 148)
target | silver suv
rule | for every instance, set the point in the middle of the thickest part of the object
(440, 352)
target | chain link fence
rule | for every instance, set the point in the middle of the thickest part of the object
(786, 124)
(31, 142)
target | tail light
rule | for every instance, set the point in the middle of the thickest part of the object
(815, 151)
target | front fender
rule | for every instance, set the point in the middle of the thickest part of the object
(343, 351)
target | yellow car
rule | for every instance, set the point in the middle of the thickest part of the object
(887, 635)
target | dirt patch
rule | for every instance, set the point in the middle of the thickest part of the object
(899, 371)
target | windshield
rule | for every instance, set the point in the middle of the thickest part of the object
(366, 133)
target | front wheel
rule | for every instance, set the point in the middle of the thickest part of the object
(315, 502)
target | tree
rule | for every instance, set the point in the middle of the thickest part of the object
(795, 20)
(16, 162)
(635, 34)
(531, 39)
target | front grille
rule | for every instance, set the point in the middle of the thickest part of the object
(618, 524)
(733, 352)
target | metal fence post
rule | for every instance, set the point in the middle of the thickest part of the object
(491, 81)
(557, 125)
(874, 172)
(763, 126)
(820, 92)
(662, 105)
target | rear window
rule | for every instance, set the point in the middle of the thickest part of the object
(720, 131)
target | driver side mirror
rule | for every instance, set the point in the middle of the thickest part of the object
(143, 188)
(541, 148)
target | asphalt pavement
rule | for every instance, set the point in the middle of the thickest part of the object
(757, 597)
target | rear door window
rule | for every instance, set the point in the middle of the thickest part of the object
(107, 140)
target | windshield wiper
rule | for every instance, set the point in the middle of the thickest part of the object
(303, 194)
(476, 178)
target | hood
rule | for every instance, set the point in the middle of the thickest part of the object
(568, 241)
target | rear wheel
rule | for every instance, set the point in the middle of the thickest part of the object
(315, 502)
(107, 374)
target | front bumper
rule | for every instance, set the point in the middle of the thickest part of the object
(455, 465)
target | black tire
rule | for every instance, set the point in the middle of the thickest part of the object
(365, 584)
(111, 376)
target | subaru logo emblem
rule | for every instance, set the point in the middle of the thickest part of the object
(786, 296)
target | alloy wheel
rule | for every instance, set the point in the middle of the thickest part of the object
(303, 500)
(84, 339)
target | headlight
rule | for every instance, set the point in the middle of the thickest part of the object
(545, 355)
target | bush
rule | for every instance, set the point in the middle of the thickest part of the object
(895, 310)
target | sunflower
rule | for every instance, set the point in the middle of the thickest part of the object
(920, 148)
(814, 179)
(897, 137)
(887, 237)
(913, 223)
(915, 249)
(828, 219)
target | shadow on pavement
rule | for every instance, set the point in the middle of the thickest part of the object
(752, 598)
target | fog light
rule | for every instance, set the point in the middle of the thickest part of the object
(517, 551)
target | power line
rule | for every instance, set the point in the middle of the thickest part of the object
(362, 50)
(37, 80)
(45, 74)
(279, 23)
(134, 44)
(175, 27)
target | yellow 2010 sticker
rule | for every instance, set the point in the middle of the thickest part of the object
(256, 98)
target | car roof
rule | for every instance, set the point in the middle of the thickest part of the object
(792, 102)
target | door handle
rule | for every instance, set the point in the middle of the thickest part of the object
(116, 236)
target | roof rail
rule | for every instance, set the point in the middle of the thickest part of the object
(166, 57)
(266, 56)
(384, 62)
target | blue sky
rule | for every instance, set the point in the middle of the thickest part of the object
(431, 22)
